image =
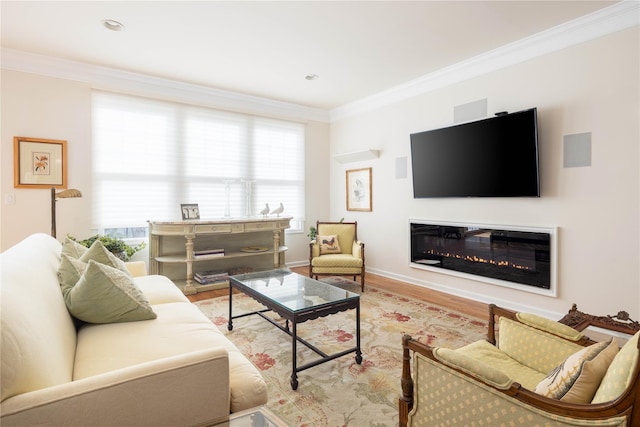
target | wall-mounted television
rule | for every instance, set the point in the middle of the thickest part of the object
(494, 157)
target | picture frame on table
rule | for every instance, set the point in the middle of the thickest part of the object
(39, 162)
(190, 211)
(359, 190)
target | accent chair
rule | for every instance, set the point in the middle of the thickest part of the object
(336, 251)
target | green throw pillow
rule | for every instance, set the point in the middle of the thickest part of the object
(99, 253)
(70, 271)
(73, 248)
(107, 295)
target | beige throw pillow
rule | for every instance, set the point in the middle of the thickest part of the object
(104, 294)
(577, 378)
(329, 245)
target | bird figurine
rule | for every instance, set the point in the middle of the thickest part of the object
(265, 211)
(278, 210)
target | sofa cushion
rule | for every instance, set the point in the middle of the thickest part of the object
(576, 379)
(620, 372)
(73, 248)
(99, 253)
(329, 244)
(179, 328)
(159, 289)
(104, 294)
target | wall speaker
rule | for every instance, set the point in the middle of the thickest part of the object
(401, 167)
(577, 150)
(471, 111)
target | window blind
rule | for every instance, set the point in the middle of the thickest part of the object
(150, 156)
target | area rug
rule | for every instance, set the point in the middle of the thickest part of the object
(341, 392)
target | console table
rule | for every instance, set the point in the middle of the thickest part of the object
(180, 249)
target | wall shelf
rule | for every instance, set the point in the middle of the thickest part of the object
(357, 156)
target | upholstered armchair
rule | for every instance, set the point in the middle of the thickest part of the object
(336, 251)
(531, 371)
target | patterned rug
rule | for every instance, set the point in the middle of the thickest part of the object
(341, 392)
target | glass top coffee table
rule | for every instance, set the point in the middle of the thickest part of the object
(296, 299)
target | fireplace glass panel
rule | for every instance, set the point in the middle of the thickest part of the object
(521, 257)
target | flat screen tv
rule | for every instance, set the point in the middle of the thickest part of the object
(494, 157)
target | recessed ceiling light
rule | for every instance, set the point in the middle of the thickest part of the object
(112, 25)
(311, 77)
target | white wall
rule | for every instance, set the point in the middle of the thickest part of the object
(591, 87)
(54, 108)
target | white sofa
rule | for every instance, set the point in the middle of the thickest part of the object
(175, 370)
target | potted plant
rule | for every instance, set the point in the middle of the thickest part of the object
(116, 246)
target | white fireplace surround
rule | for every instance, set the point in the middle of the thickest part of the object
(551, 231)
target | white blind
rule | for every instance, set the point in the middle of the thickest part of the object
(150, 156)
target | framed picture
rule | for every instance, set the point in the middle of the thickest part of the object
(39, 163)
(359, 190)
(190, 211)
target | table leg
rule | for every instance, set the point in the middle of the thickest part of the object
(294, 341)
(230, 324)
(358, 352)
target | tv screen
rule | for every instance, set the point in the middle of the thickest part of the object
(494, 157)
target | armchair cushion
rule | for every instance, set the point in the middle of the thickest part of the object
(620, 373)
(329, 244)
(576, 379)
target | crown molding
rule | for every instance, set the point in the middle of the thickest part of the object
(111, 79)
(618, 17)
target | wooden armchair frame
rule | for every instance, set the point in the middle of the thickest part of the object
(628, 403)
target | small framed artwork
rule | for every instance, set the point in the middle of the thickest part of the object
(190, 211)
(359, 190)
(39, 163)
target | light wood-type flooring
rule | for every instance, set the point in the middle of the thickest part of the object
(462, 305)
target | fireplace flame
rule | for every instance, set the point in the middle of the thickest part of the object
(474, 258)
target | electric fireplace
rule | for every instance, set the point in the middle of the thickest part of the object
(514, 257)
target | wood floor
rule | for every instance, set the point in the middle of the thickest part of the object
(463, 305)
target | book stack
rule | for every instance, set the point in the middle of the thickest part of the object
(209, 252)
(208, 277)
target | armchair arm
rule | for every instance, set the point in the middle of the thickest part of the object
(358, 249)
(477, 369)
(314, 249)
(189, 389)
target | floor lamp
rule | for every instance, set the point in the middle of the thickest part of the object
(64, 194)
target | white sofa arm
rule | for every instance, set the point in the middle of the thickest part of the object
(136, 268)
(184, 390)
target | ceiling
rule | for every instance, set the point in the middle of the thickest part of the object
(266, 48)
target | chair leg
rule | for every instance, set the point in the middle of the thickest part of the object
(362, 281)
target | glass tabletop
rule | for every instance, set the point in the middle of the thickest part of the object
(291, 290)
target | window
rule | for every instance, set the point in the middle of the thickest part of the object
(150, 156)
